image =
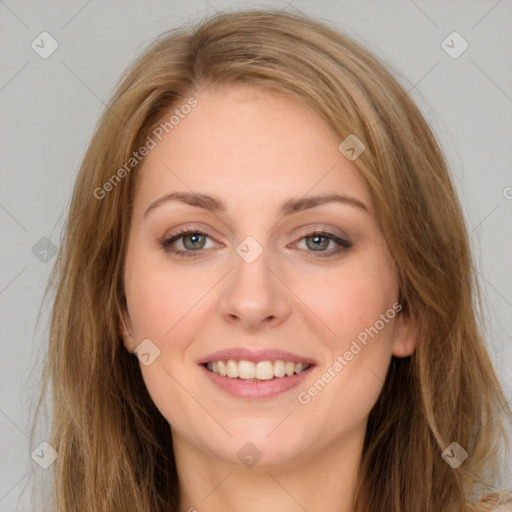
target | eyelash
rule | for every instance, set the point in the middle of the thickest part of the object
(166, 244)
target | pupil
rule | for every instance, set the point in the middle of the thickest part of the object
(316, 239)
(195, 239)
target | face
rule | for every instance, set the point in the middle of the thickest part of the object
(263, 274)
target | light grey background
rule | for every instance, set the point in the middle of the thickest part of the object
(50, 106)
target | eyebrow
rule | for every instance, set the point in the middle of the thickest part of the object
(288, 207)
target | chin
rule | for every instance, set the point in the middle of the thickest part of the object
(261, 444)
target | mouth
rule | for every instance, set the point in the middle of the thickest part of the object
(246, 373)
(254, 371)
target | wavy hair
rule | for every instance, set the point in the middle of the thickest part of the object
(114, 446)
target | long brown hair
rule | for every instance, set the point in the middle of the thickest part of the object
(114, 446)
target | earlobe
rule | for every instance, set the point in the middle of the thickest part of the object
(405, 335)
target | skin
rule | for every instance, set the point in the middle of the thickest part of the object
(254, 149)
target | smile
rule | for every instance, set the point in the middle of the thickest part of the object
(252, 371)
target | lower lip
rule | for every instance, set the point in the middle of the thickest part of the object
(256, 389)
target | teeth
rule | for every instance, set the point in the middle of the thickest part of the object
(280, 368)
(232, 369)
(246, 369)
(222, 368)
(263, 370)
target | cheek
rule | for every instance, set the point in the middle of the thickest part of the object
(354, 371)
(161, 305)
(355, 306)
(349, 300)
(158, 296)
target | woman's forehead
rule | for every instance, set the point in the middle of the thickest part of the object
(247, 141)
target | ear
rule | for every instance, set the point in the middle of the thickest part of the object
(405, 335)
(125, 329)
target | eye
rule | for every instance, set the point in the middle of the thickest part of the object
(193, 242)
(318, 241)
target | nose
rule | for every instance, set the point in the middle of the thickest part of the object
(254, 295)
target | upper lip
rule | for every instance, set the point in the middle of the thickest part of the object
(262, 354)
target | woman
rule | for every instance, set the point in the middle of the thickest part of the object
(265, 294)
